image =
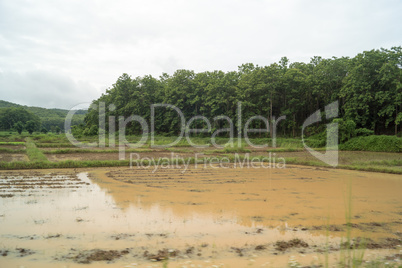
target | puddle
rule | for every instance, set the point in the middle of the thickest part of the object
(120, 217)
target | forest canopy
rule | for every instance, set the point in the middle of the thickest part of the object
(367, 86)
(16, 117)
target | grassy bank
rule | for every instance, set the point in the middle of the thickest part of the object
(245, 160)
(83, 150)
(62, 164)
(292, 150)
(34, 154)
(374, 144)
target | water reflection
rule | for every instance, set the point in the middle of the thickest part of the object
(83, 212)
(53, 212)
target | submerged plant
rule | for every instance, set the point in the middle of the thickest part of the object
(352, 254)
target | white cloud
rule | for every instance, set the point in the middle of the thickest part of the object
(44, 89)
(95, 41)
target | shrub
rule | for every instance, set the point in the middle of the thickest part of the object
(364, 132)
(373, 143)
(19, 126)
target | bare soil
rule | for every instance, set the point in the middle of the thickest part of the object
(7, 157)
(202, 215)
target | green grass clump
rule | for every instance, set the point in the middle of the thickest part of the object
(300, 161)
(236, 150)
(50, 138)
(280, 150)
(62, 164)
(69, 151)
(166, 140)
(289, 143)
(179, 150)
(78, 150)
(54, 145)
(373, 143)
(34, 154)
(94, 151)
(12, 143)
(12, 151)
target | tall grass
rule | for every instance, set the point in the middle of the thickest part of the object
(351, 254)
(34, 154)
(55, 145)
(389, 163)
(373, 143)
(83, 150)
(12, 143)
(364, 167)
(50, 138)
(12, 151)
(62, 164)
(179, 150)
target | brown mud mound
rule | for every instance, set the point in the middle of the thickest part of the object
(367, 243)
(163, 254)
(294, 243)
(19, 252)
(88, 256)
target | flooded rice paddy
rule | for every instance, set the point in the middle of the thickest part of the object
(205, 217)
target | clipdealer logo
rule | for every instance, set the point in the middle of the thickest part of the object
(330, 156)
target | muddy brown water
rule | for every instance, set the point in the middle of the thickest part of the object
(205, 217)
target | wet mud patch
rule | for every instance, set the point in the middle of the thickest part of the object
(197, 215)
(18, 252)
(161, 255)
(395, 257)
(28, 182)
(22, 252)
(94, 255)
(122, 236)
(294, 243)
(368, 243)
(239, 251)
(4, 253)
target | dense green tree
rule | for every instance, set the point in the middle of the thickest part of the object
(44, 130)
(19, 126)
(10, 116)
(57, 130)
(367, 86)
(32, 126)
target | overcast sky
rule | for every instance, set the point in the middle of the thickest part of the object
(59, 53)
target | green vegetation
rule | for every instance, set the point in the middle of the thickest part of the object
(55, 145)
(292, 150)
(230, 148)
(42, 164)
(373, 143)
(12, 143)
(34, 154)
(19, 127)
(179, 150)
(12, 151)
(63, 164)
(18, 119)
(367, 86)
(84, 150)
(15, 117)
(350, 254)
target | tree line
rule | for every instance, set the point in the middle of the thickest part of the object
(368, 88)
(14, 117)
(19, 119)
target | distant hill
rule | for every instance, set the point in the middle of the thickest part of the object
(50, 117)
